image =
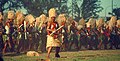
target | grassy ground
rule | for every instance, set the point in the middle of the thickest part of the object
(86, 55)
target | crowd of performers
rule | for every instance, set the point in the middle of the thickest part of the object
(20, 33)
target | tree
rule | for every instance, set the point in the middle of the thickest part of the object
(2, 3)
(85, 8)
(9, 4)
(74, 9)
(116, 12)
(33, 6)
(37, 7)
(90, 8)
(63, 8)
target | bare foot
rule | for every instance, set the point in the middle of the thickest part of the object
(47, 56)
(47, 59)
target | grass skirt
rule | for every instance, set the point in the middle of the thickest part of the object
(51, 42)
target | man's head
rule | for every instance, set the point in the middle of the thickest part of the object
(53, 18)
(30, 19)
(10, 15)
(19, 17)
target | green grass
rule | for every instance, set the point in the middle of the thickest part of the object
(86, 55)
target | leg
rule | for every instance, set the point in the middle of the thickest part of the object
(105, 42)
(49, 51)
(111, 43)
(71, 43)
(76, 44)
(19, 47)
(44, 39)
(57, 52)
(5, 46)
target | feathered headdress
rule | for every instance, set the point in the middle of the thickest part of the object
(118, 23)
(61, 18)
(112, 22)
(100, 22)
(82, 22)
(43, 18)
(19, 17)
(91, 23)
(30, 19)
(52, 12)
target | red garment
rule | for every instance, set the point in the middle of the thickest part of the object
(107, 32)
(53, 27)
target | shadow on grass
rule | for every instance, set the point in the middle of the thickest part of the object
(13, 54)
